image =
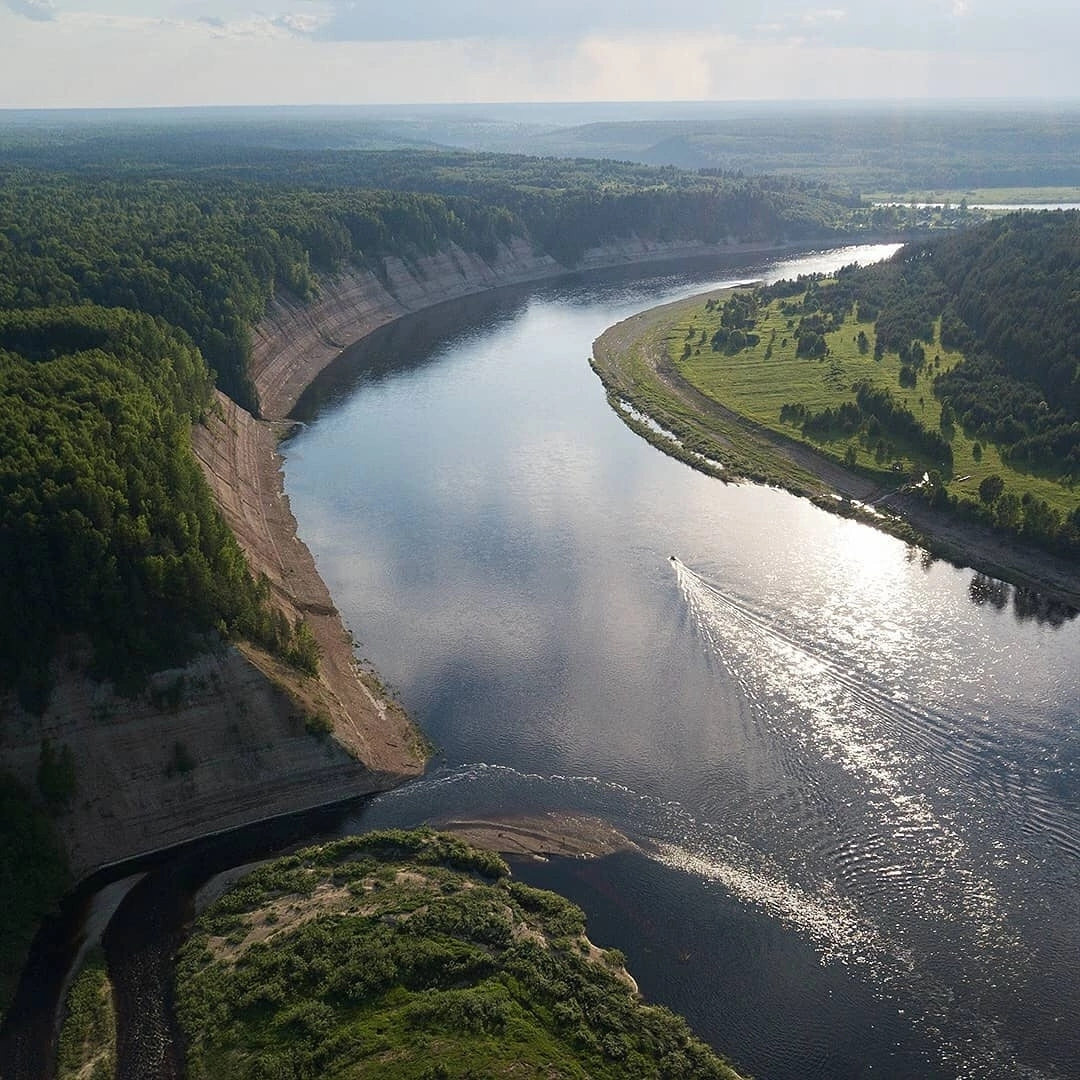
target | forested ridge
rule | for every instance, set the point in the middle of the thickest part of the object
(207, 256)
(206, 245)
(107, 525)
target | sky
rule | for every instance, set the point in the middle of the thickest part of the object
(75, 53)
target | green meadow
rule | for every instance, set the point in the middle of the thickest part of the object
(757, 381)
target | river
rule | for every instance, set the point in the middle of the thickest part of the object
(853, 771)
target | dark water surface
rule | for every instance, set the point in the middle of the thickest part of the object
(854, 772)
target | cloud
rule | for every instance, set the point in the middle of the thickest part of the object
(876, 24)
(411, 20)
(37, 10)
(167, 52)
(255, 26)
(824, 15)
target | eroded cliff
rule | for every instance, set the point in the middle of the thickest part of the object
(229, 740)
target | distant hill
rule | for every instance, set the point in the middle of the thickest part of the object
(879, 147)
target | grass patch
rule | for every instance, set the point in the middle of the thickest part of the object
(759, 380)
(725, 406)
(713, 442)
(88, 1036)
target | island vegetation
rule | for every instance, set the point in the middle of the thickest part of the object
(87, 1044)
(951, 370)
(413, 954)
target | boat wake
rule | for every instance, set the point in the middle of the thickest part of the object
(875, 775)
(666, 833)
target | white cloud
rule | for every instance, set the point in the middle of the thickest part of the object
(260, 25)
(36, 10)
(127, 52)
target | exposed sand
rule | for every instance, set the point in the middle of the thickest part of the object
(540, 835)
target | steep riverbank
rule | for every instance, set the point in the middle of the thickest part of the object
(631, 361)
(295, 341)
(223, 742)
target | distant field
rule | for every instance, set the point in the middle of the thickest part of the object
(1012, 196)
(757, 381)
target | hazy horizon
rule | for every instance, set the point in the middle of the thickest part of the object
(161, 53)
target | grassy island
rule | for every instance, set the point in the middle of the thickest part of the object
(413, 954)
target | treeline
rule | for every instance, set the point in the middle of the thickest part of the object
(569, 205)
(874, 417)
(107, 525)
(205, 248)
(206, 255)
(1004, 294)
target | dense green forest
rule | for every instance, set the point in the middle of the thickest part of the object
(206, 256)
(107, 525)
(1003, 296)
(413, 955)
(206, 245)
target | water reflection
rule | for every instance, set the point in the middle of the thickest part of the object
(406, 345)
(818, 730)
(1028, 605)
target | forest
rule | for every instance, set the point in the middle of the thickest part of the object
(206, 245)
(107, 525)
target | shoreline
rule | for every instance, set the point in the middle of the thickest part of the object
(632, 367)
(247, 756)
(294, 342)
